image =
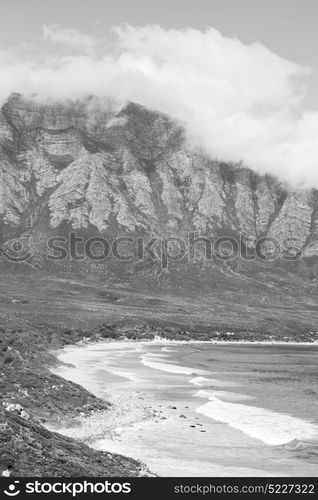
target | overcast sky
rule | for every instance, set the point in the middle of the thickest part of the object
(242, 75)
(288, 27)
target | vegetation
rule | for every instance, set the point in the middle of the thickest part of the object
(39, 316)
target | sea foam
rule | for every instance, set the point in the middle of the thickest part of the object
(203, 381)
(155, 362)
(271, 427)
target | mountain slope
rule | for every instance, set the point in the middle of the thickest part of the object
(85, 167)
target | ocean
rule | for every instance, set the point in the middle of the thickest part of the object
(203, 409)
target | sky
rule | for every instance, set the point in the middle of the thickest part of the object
(288, 27)
(241, 75)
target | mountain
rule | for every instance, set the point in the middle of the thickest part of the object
(86, 168)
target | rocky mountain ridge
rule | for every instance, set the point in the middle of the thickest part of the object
(87, 167)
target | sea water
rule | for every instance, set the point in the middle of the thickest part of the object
(212, 409)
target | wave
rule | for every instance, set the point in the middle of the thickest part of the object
(271, 427)
(303, 449)
(203, 381)
(223, 395)
(130, 376)
(155, 361)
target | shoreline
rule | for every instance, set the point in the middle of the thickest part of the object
(138, 412)
(162, 341)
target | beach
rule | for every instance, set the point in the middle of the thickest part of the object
(200, 409)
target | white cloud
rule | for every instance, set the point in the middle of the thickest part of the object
(239, 102)
(69, 37)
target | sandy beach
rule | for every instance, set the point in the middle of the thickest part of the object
(176, 411)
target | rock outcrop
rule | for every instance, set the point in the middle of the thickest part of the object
(83, 166)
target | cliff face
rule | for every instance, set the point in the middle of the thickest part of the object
(85, 167)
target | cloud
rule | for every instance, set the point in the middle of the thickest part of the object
(238, 102)
(69, 37)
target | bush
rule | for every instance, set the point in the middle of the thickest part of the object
(9, 358)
